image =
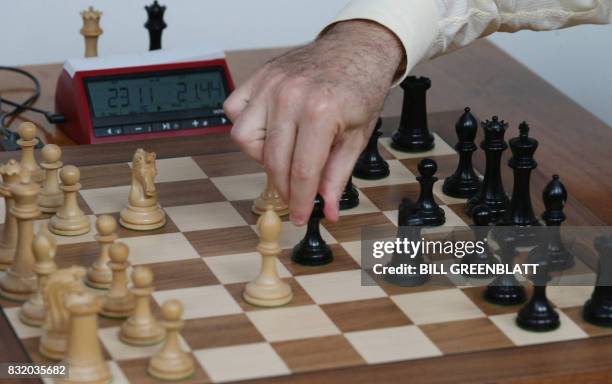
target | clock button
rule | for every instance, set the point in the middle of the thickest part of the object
(138, 128)
(110, 131)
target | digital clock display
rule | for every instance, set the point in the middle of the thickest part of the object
(203, 91)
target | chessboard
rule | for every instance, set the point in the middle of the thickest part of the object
(206, 253)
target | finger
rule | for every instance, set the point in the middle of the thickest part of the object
(312, 145)
(249, 130)
(281, 132)
(238, 101)
(338, 170)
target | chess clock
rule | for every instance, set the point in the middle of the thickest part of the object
(154, 94)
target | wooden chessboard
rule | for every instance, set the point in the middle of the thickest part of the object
(205, 254)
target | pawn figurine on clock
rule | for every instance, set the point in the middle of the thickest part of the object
(155, 24)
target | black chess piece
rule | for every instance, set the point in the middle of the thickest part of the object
(505, 288)
(538, 314)
(371, 165)
(554, 197)
(492, 193)
(425, 212)
(598, 309)
(520, 213)
(312, 249)
(415, 279)
(155, 24)
(413, 133)
(464, 183)
(350, 196)
(482, 219)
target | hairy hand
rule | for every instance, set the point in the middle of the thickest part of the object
(308, 114)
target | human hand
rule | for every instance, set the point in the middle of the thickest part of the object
(308, 114)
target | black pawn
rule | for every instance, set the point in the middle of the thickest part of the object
(554, 197)
(520, 213)
(350, 196)
(598, 309)
(492, 193)
(413, 134)
(412, 233)
(538, 315)
(371, 165)
(505, 288)
(155, 24)
(482, 219)
(312, 249)
(425, 212)
(464, 183)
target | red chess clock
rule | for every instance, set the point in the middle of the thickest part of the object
(155, 94)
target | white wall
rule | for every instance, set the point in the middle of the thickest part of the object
(578, 61)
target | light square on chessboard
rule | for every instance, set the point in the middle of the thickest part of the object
(476, 294)
(441, 148)
(437, 306)
(575, 313)
(249, 361)
(342, 262)
(435, 282)
(241, 187)
(318, 353)
(353, 248)
(389, 197)
(106, 200)
(205, 216)
(300, 297)
(118, 376)
(244, 209)
(452, 220)
(365, 206)
(208, 301)
(567, 331)
(160, 248)
(336, 287)
(238, 268)
(291, 234)
(119, 350)
(392, 344)
(177, 169)
(22, 330)
(398, 174)
(466, 335)
(446, 199)
(227, 164)
(288, 323)
(220, 331)
(212, 242)
(563, 296)
(377, 313)
(87, 237)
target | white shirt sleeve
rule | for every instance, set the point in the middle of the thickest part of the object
(429, 28)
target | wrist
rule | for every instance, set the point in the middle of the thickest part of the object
(372, 37)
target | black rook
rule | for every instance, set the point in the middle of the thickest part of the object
(413, 134)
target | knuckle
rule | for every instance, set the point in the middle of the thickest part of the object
(321, 105)
(289, 92)
(302, 171)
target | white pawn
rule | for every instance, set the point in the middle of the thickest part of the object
(44, 247)
(27, 132)
(10, 173)
(51, 196)
(69, 220)
(268, 290)
(171, 362)
(118, 302)
(99, 274)
(142, 328)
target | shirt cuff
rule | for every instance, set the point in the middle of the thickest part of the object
(414, 22)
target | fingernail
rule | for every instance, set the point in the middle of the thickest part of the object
(297, 219)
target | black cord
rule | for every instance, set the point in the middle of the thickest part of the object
(9, 138)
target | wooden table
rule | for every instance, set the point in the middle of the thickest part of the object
(573, 143)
